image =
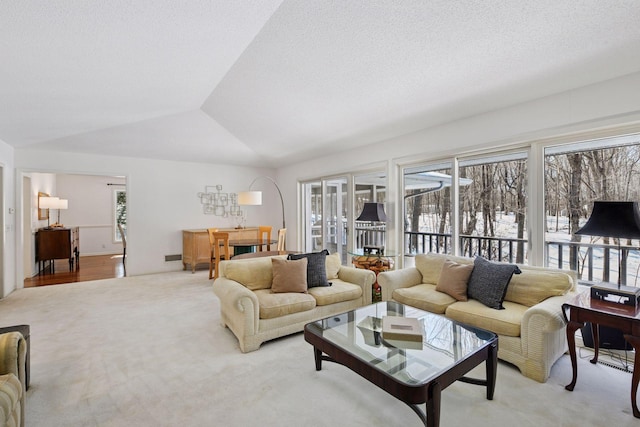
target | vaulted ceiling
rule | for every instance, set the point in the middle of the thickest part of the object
(271, 82)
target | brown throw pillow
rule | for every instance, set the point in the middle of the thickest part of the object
(289, 275)
(453, 279)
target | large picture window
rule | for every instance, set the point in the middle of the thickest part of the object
(427, 208)
(576, 175)
(493, 206)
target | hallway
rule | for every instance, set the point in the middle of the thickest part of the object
(91, 268)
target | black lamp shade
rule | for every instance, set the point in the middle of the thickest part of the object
(373, 212)
(613, 219)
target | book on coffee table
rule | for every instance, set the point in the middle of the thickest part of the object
(401, 328)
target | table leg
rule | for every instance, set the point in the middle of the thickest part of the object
(595, 332)
(635, 342)
(433, 405)
(492, 370)
(572, 327)
(317, 354)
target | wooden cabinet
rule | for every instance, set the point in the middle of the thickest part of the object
(58, 243)
(195, 244)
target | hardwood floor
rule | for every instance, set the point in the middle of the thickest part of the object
(91, 268)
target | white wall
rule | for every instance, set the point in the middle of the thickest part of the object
(8, 219)
(162, 194)
(162, 199)
(613, 103)
(91, 204)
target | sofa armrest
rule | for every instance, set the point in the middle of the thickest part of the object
(361, 277)
(543, 318)
(13, 348)
(391, 280)
(236, 301)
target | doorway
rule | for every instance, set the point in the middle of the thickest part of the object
(92, 208)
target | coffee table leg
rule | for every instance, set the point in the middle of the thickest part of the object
(492, 370)
(317, 354)
(433, 405)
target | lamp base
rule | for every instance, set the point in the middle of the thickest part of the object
(611, 292)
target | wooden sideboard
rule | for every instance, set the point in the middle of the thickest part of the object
(58, 243)
(195, 244)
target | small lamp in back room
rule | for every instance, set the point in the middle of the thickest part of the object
(60, 204)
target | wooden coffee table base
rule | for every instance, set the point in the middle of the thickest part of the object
(414, 396)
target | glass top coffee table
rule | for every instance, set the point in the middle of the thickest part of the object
(412, 371)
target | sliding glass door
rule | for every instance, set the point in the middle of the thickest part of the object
(325, 213)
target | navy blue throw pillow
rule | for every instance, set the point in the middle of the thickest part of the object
(316, 268)
(489, 280)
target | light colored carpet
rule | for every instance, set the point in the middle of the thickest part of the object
(149, 351)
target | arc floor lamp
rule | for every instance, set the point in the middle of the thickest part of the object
(254, 198)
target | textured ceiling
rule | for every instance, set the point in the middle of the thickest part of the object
(273, 82)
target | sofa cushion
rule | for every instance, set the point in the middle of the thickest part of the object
(333, 264)
(536, 284)
(316, 267)
(253, 273)
(474, 313)
(339, 291)
(289, 275)
(453, 279)
(489, 280)
(430, 265)
(276, 305)
(424, 297)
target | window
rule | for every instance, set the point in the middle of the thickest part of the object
(493, 206)
(576, 175)
(119, 213)
(427, 208)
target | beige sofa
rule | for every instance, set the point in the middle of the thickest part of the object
(255, 314)
(13, 349)
(531, 328)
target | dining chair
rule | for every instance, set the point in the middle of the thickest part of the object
(220, 251)
(212, 254)
(282, 234)
(264, 230)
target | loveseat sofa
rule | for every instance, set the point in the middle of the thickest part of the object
(530, 326)
(255, 314)
(13, 349)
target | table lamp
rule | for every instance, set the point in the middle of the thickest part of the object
(619, 220)
(60, 204)
(373, 212)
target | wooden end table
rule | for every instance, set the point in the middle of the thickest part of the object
(582, 308)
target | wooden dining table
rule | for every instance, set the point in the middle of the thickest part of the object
(262, 254)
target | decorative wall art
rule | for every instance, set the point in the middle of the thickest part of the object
(219, 203)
